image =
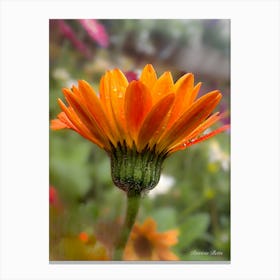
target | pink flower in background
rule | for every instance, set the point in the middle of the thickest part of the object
(131, 75)
(69, 33)
(93, 28)
(96, 31)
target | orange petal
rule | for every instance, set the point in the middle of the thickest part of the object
(85, 117)
(63, 121)
(192, 118)
(118, 85)
(138, 102)
(95, 108)
(112, 90)
(57, 124)
(119, 81)
(163, 86)
(154, 120)
(185, 84)
(149, 225)
(105, 95)
(148, 76)
(168, 238)
(80, 127)
(186, 144)
(166, 255)
(183, 91)
(206, 124)
(209, 135)
(192, 97)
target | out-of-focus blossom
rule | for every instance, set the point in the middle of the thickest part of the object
(101, 61)
(67, 31)
(131, 76)
(83, 236)
(55, 203)
(164, 185)
(53, 196)
(216, 154)
(62, 75)
(83, 247)
(145, 243)
(96, 31)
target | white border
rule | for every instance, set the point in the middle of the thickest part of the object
(255, 138)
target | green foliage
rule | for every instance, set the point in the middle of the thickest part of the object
(165, 218)
(193, 229)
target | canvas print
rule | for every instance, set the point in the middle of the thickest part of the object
(139, 140)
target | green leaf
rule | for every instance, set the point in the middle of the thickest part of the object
(69, 169)
(193, 229)
(165, 218)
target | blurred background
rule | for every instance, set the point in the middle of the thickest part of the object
(194, 191)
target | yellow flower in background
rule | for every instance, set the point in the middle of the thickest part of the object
(83, 247)
(139, 123)
(145, 243)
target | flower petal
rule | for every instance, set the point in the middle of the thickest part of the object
(154, 120)
(148, 76)
(168, 238)
(163, 86)
(209, 135)
(192, 118)
(57, 124)
(119, 84)
(85, 117)
(203, 126)
(183, 91)
(138, 102)
(63, 121)
(78, 124)
(166, 255)
(149, 226)
(112, 91)
(94, 107)
(192, 97)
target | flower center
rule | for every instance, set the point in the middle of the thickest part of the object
(134, 171)
(143, 247)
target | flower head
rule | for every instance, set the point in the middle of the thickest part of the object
(145, 243)
(139, 123)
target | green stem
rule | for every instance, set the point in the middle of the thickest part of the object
(133, 203)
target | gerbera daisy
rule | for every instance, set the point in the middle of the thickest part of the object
(145, 243)
(139, 123)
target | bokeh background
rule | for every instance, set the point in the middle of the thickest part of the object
(194, 191)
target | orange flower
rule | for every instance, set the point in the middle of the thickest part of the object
(145, 243)
(145, 120)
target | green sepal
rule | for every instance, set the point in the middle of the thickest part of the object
(135, 171)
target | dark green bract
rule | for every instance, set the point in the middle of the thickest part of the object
(133, 171)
